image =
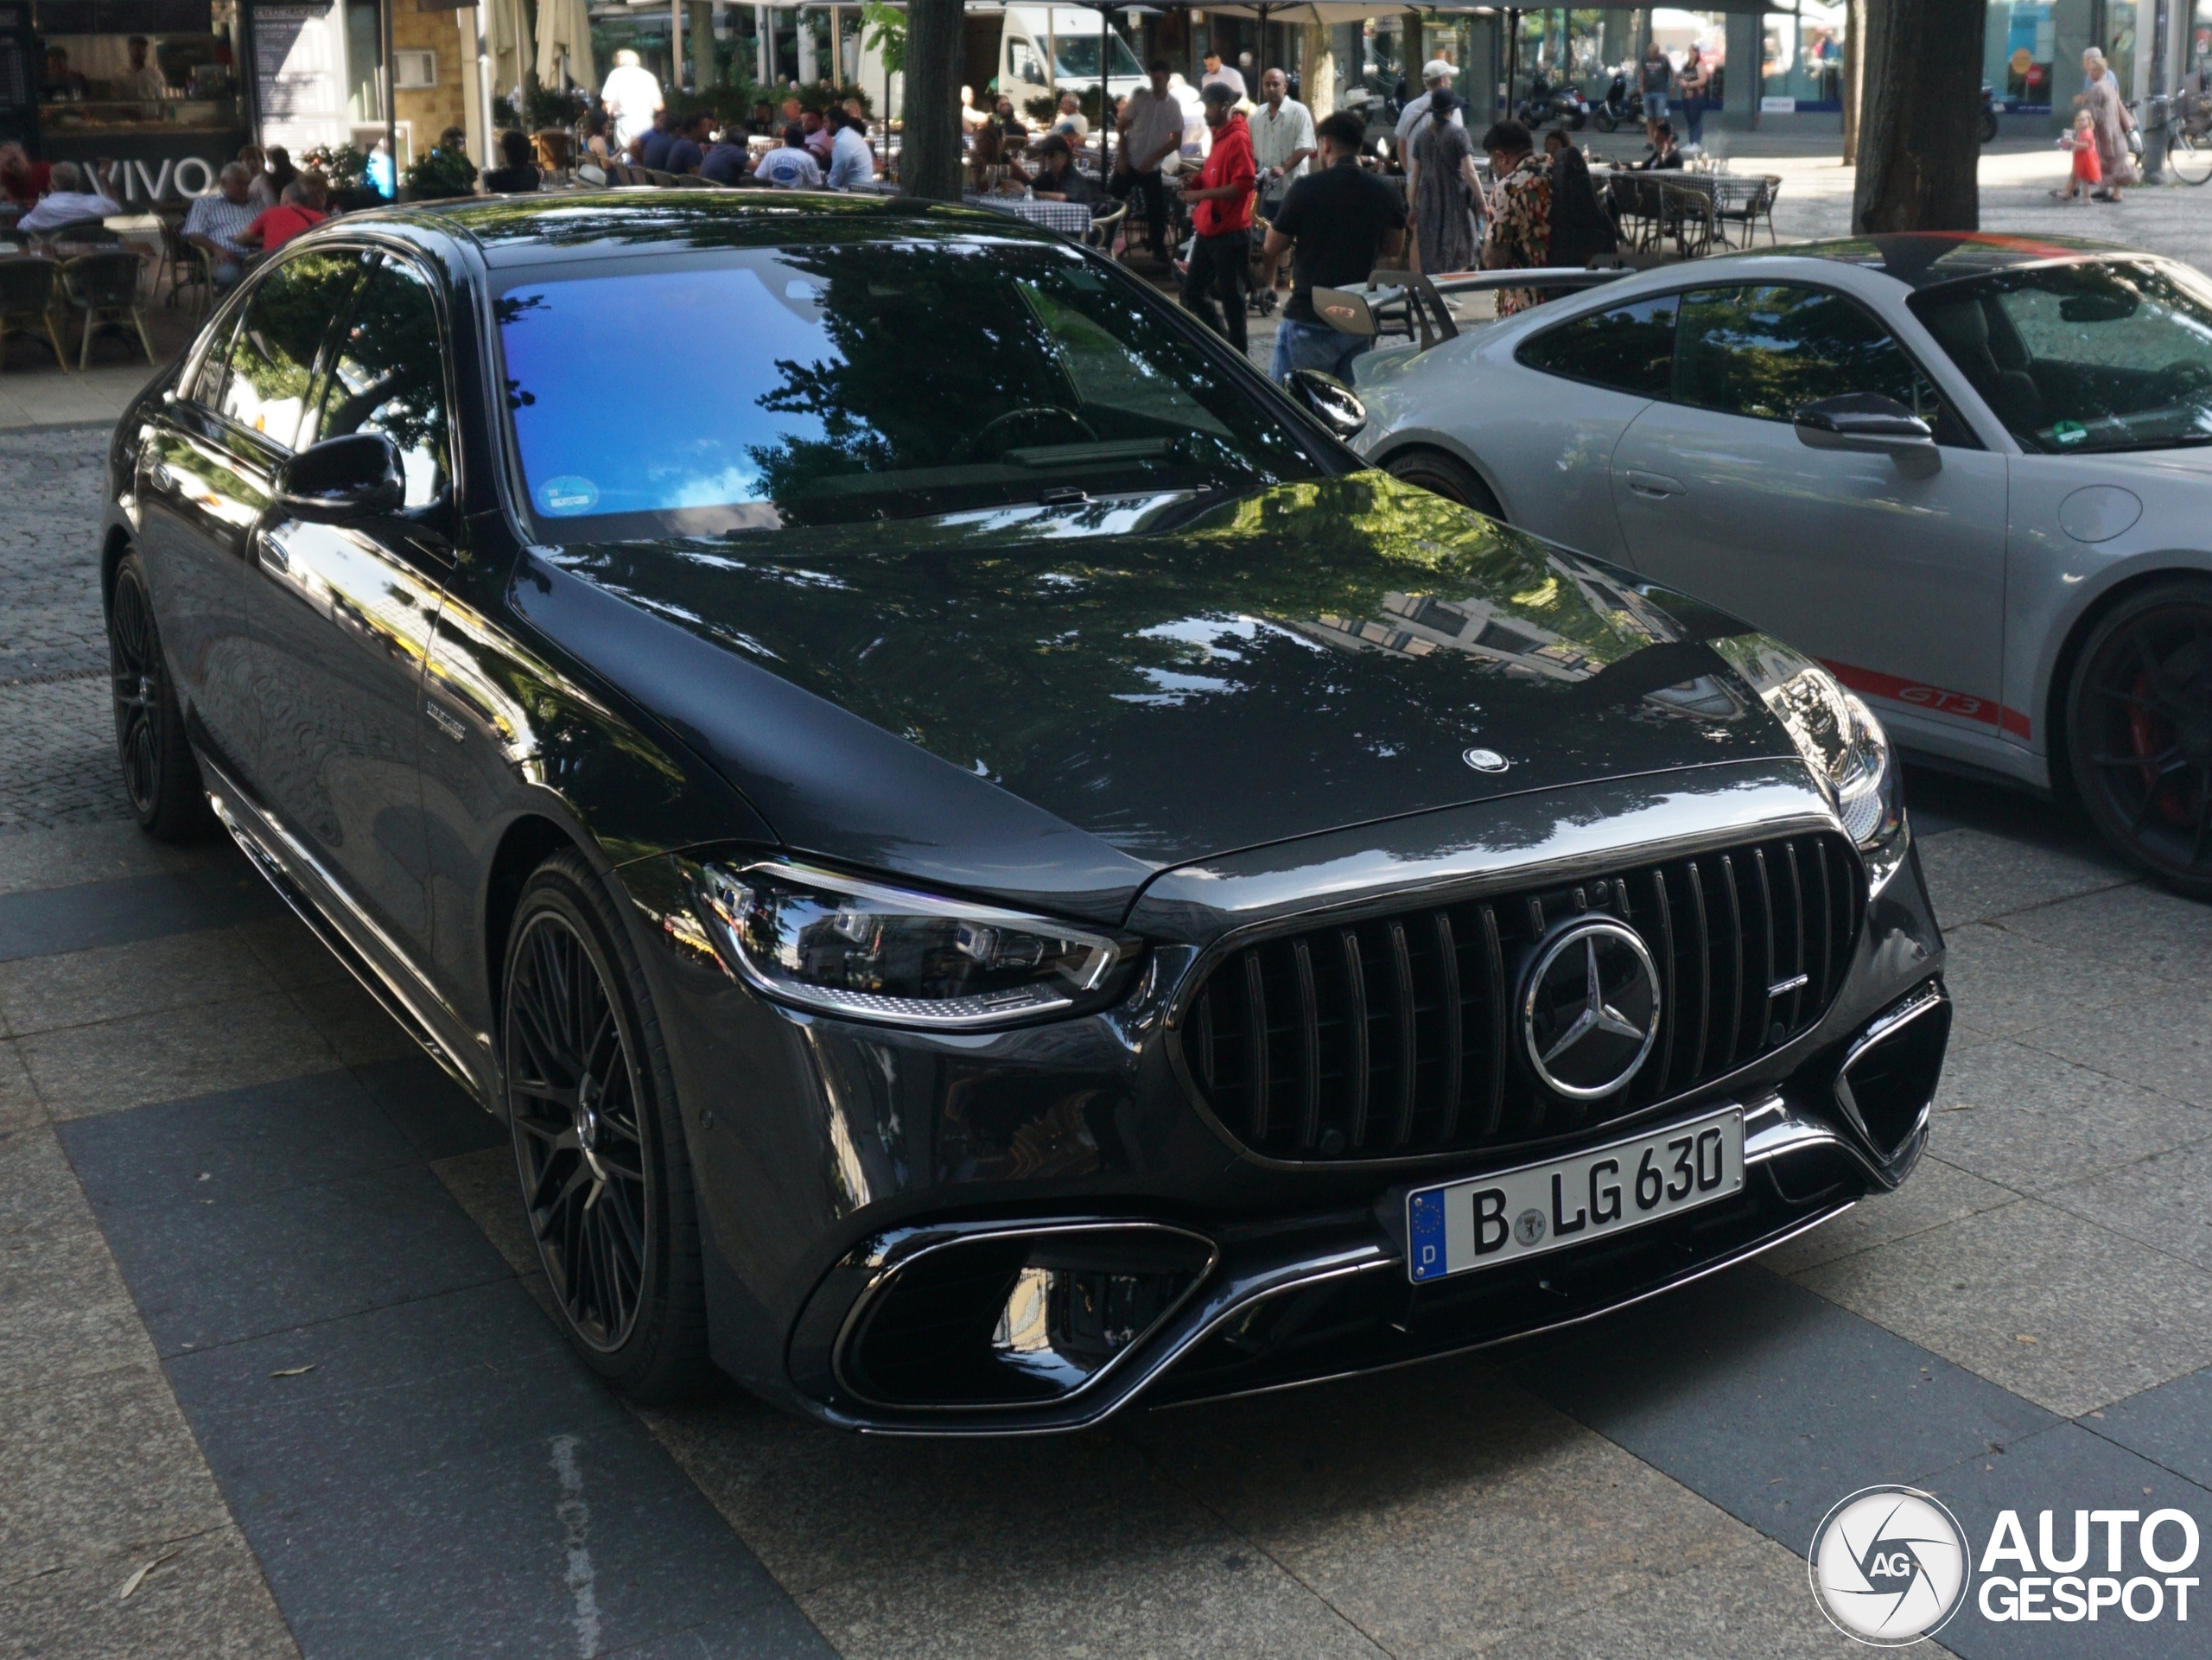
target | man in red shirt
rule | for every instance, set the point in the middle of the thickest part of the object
(1221, 215)
(274, 226)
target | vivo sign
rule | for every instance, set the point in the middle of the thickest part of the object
(188, 175)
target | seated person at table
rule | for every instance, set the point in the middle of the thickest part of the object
(791, 168)
(688, 148)
(68, 203)
(22, 179)
(653, 152)
(1663, 156)
(1061, 180)
(596, 148)
(1071, 118)
(520, 174)
(851, 161)
(216, 219)
(761, 123)
(274, 226)
(726, 160)
(819, 137)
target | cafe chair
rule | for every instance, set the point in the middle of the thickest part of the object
(104, 286)
(27, 305)
(185, 267)
(1105, 228)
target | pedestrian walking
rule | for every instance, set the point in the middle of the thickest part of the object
(2084, 177)
(1338, 223)
(1444, 189)
(1520, 233)
(631, 98)
(2111, 120)
(1657, 75)
(1221, 217)
(1696, 79)
(1151, 129)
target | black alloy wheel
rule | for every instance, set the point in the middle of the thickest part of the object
(160, 777)
(2140, 731)
(598, 1150)
(1447, 476)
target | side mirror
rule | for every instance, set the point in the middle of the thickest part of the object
(1870, 424)
(1329, 401)
(356, 476)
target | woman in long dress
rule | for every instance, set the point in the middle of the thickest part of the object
(2111, 121)
(1442, 186)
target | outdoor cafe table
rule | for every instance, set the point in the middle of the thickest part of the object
(1070, 218)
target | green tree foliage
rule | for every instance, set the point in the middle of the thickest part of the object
(887, 32)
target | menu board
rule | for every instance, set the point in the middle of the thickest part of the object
(298, 74)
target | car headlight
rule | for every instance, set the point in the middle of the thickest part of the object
(1841, 740)
(865, 951)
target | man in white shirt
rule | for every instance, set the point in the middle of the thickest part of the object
(1283, 142)
(142, 82)
(631, 97)
(851, 161)
(1071, 120)
(1150, 131)
(67, 203)
(792, 167)
(215, 220)
(1436, 75)
(1219, 74)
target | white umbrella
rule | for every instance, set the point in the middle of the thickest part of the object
(562, 27)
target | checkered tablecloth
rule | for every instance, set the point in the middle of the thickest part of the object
(1070, 218)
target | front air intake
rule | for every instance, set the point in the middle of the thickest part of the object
(1888, 1082)
(1397, 1036)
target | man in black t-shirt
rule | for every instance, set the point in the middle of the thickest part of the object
(1342, 221)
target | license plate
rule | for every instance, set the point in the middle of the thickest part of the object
(1487, 1220)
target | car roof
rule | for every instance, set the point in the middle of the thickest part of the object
(1922, 259)
(526, 229)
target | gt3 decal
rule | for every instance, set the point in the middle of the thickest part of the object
(1936, 700)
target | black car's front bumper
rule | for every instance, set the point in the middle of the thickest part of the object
(868, 1195)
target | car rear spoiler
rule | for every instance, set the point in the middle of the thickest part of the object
(1409, 299)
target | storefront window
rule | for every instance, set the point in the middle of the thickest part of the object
(1677, 31)
(1801, 54)
(1584, 45)
(2017, 49)
(136, 67)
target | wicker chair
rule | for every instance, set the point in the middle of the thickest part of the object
(27, 305)
(1105, 227)
(104, 286)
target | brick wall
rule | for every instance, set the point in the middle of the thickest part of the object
(446, 105)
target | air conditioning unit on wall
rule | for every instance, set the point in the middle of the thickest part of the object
(416, 70)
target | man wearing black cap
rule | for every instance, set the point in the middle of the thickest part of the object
(1221, 215)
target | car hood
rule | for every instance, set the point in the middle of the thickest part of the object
(1166, 678)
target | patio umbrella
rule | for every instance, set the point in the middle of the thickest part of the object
(505, 43)
(562, 27)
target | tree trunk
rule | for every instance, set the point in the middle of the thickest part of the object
(1854, 61)
(1317, 74)
(929, 160)
(1919, 147)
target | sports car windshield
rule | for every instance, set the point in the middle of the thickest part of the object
(759, 388)
(2103, 355)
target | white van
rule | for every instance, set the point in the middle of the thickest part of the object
(1053, 49)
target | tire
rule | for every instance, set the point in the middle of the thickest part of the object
(1606, 120)
(2139, 730)
(1447, 476)
(1988, 128)
(599, 1145)
(1578, 121)
(2191, 157)
(160, 776)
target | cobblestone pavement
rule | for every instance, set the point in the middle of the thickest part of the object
(54, 693)
(275, 1382)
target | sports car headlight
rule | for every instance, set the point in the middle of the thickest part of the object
(856, 949)
(1841, 740)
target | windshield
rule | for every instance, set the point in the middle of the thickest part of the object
(1076, 57)
(876, 381)
(2097, 356)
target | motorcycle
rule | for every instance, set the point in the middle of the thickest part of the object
(1546, 104)
(1988, 113)
(1616, 107)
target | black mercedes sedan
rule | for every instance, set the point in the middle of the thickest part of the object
(990, 865)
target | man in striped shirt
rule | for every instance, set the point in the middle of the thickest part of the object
(215, 220)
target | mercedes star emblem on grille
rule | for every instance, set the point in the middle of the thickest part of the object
(1592, 1009)
(1485, 760)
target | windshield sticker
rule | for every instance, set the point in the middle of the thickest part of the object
(2068, 432)
(568, 494)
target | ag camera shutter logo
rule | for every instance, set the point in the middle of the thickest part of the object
(1889, 1565)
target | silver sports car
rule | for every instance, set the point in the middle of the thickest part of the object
(1971, 473)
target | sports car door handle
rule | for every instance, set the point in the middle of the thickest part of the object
(1657, 487)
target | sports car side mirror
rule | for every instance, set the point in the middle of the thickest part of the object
(1329, 401)
(359, 475)
(1870, 424)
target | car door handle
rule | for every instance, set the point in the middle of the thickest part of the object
(273, 556)
(1656, 487)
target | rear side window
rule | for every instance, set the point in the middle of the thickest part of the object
(388, 376)
(279, 337)
(1630, 348)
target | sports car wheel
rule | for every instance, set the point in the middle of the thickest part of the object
(159, 774)
(1449, 477)
(2140, 731)
(598, 1148)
